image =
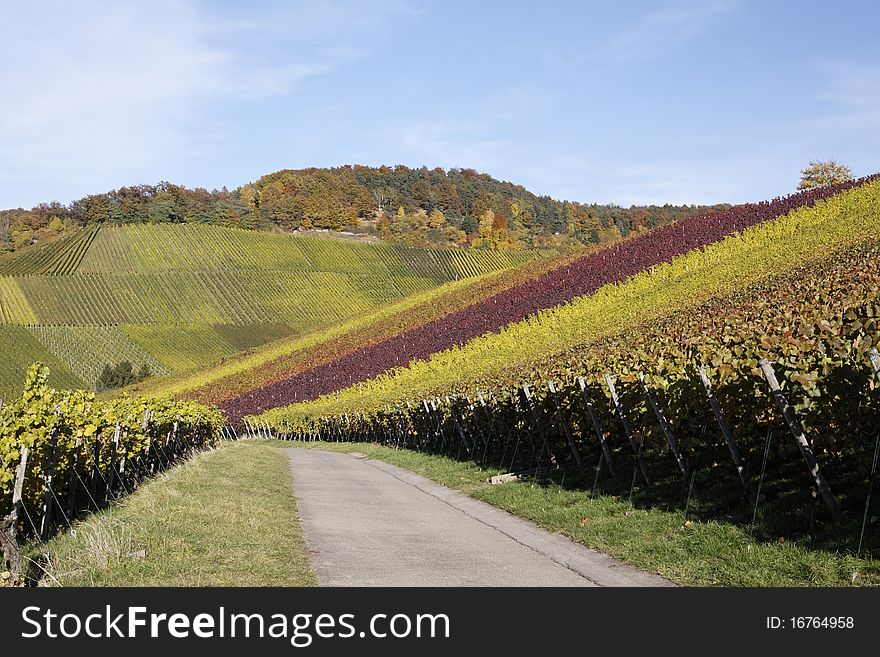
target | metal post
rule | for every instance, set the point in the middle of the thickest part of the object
(530, 402)
(637, 449)
(71, 480)
(798, 433)
(741, 469)
(48, 505)
(680, 460)
(606, 450)
(563, 425)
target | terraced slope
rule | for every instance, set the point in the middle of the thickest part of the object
(583, 276)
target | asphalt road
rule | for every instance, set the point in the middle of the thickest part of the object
(368, 523)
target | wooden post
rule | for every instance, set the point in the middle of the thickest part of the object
(609, 381)
(664, 425)
(741, 470)
(798, 433)
(606, 450)
(563, 425)
(19, 477)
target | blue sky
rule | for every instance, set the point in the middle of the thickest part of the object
(630, 102)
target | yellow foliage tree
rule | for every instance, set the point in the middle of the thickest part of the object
(819, 174)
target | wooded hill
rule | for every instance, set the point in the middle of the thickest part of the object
(419, 207)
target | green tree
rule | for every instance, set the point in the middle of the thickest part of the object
(820, 174)
(56, 225)
(120, 375)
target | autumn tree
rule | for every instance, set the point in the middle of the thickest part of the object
(820, 174)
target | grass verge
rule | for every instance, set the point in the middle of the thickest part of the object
(690, 552)
(226, 518)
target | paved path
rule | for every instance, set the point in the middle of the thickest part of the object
(368, 523)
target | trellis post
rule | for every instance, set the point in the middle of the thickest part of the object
(680, 460)
(618, 407)
(563, 425)
(801, 440)
(741, 470)
(588, 402)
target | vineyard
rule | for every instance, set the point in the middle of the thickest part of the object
(61, 256)
(174, 297)
(583, 276)
(286, 358)
(143, 248)
(85, 350)
(65, 454)
(753, 354)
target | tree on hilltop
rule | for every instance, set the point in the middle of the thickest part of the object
(820, 174)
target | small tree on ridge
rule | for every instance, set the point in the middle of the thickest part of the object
(821, 173)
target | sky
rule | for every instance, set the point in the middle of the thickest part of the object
(672, 101)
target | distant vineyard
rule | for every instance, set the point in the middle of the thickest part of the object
(18, 350)
(86, 350)
(14, 306)
(162, 247)
(181, 347)
(175, 297)
(289, 357)
(198, 275)
(584, 276)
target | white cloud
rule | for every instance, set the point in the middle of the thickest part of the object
(100, 94)
(646, 37)
(660, 29)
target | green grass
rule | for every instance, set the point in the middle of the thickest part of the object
(225, 518)
(654, 538)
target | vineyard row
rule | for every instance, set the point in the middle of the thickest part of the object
(65, 454)
(623, 429)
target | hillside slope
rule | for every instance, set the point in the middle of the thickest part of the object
(171, 297)
(582, 276)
